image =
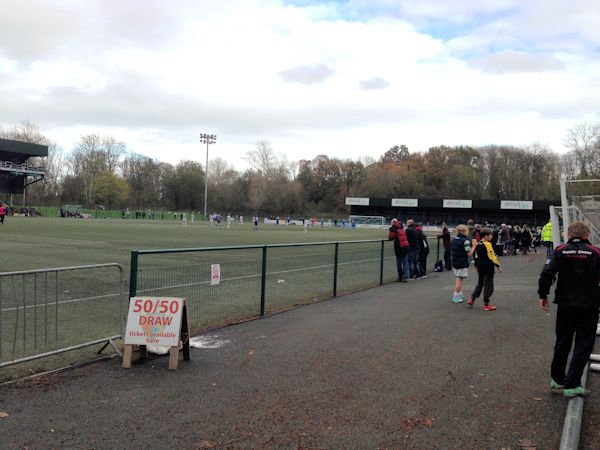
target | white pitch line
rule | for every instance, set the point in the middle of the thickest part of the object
(53, 238)
(74, 300)
(259, 275)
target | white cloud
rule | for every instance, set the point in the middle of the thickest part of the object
(342, 79)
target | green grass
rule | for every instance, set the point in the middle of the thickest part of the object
(85, 306)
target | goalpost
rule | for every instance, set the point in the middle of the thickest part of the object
(580, 201)
(368, 221)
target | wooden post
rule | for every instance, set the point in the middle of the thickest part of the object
(184, 339)
(127, 352)
(173, 357)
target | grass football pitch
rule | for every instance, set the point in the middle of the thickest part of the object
(42, 312)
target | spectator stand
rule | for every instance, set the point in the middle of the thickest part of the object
(21, 165)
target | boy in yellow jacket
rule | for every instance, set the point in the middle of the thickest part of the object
(486, 262)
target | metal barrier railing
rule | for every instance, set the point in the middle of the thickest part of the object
(260, 279)
(46, 312)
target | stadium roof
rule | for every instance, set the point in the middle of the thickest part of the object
(23, 148)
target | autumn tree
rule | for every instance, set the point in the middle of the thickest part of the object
(111, 190)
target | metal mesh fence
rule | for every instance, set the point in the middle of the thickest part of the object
(293, 274)
(188, 275)
(297, 275)
(359, 265)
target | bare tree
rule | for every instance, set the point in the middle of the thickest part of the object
(218, 169)
(113, 150)
(143, 176)
(265, 162)
(584, 141)
(25, 132)
(88, 161)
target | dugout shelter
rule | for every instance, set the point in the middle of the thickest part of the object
(430, 211)
(21, 165)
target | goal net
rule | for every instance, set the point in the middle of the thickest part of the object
(368, 220)
(581, 202)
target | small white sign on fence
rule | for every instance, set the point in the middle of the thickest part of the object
(215, 274)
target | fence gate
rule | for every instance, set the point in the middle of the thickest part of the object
(51, 311)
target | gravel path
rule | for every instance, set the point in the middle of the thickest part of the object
(398, 366)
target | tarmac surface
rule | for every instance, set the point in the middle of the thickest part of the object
(398, 366)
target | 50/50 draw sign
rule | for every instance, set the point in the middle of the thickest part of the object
(154, 320)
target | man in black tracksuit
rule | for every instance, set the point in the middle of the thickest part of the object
(577, 295)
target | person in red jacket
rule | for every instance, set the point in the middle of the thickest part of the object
(401, 249)
(2, 212)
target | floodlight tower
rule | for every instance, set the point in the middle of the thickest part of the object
(207, 139)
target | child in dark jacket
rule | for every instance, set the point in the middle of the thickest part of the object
(461, 248)
(486, 262)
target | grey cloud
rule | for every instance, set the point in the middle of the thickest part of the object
(374, 84)
(137, 103)
(38, 29)
(516, 62)
(307, 75)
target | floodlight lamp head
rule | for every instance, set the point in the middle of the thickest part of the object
(208, 138)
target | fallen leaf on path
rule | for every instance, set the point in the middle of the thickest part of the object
(3, 414)
(526, 444)
(538, 399)
(252, 352)
(205, 444)
(428, 422)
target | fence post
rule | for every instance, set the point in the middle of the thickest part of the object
(1, 319)
(133, 274)
(381, 265)
(335, 268)
(263, 281)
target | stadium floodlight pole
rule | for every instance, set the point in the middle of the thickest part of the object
(207, 139)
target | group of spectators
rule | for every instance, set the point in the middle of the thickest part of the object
(506, 239)
(411, 248)
(573, 266)
(72, 213)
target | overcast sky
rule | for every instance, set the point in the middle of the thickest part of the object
(347, 78)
